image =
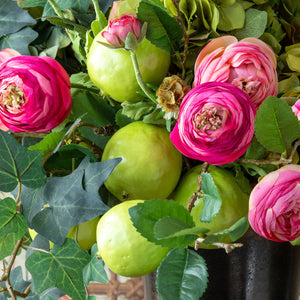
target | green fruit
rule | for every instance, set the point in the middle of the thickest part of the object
(124, 250)
(111, 70)
(84, 234)
(150, 166)
(234, 200)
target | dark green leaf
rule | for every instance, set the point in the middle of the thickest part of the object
(33, 3)
(13, 18)
(19, 40)
(276, 125)
(17, 164)
(17, 283)
(39, 242)
(211, 198)
(182, 275)
(145, 215)
(234, 232)
(94, 270)
(7, 244)
(71, 200)
(121, 119)
(162, 30)
(8, 211)
(56, 269)
(79, 5)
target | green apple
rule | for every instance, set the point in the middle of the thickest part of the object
(150, 167)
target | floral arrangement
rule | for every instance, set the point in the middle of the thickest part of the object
(135, 132)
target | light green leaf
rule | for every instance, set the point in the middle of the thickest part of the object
(276, 125)
(7, 244)
(182, 275)
(145, 215)
(211, 198)
(231, 17)
(17, 164)
(136, 110)
(57, 269)
(168, 227)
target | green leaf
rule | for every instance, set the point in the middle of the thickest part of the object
(182, 275)
(145, 215)
(255, 24)
(67, 201)
(231, 17)
(17, 282)
(8, 211)
(121, 119)
(136, 111)
(234, 232)
(19, 40)
(94, 270)
(276, 125)
(13, 18)
(79, 5)
(17, 223)
(162, 30)
(7, 244)
(171, 227)
(48, 143)
(17, 164)
(61, 267)
(211, 198)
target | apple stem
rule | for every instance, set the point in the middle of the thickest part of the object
(139, 77)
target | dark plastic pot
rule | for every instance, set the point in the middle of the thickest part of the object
(260, 270)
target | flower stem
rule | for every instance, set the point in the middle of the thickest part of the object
(139, 77)
(56, 8)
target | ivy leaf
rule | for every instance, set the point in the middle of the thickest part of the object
(56, 269)
(19, 40)
(145, 215)
(8, 211)
(162, 30)
(7, 244)
(276, 125)
(211, 199)
(68, 200)
(94, 270)
(17, 164)
(182, 275)
(13, 18)
(17, 283)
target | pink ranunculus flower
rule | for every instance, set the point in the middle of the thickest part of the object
(6, 54)
(249, 64)
(118, 29)
(274, 205)
(296, 109)
(215, 123)
(34, 93)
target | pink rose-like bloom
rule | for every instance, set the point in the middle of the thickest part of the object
(6, 54)
(274, 205)
(215, 123)
(34, 93)
(118, 29)
(249, 64)
(296, 109)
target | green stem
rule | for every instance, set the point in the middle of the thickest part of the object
(97, 10)
(139, 77)
(56, 8)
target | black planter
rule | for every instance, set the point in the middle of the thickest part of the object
(260, 270)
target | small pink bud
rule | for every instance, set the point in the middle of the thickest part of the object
(118, 29)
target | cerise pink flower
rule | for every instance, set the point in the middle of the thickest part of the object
(274, 205)
(249, 64)
(296, 109)
(34, 93)
(215, 123)
(118, 29)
